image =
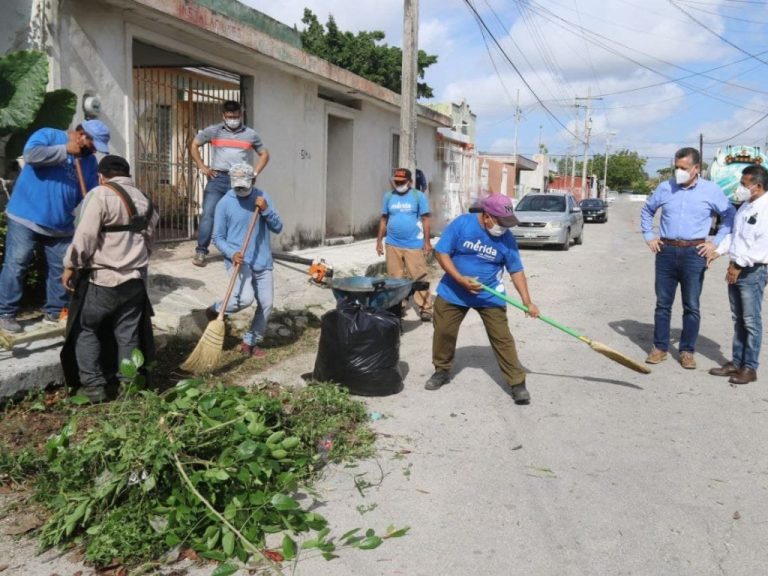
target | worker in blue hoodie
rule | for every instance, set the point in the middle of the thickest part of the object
(230, 226)
(40, 213)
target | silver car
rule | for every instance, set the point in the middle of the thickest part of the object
(549, 219)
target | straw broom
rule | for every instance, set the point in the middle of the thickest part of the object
(610, 353)
(206, 354)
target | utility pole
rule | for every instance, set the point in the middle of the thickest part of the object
(701, 151)
(587, 132)
(407, 157)
(605, 166)
(517, 124)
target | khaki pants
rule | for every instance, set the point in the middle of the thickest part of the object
(448, 318)
(412, 261)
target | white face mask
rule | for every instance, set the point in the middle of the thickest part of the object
(682, 176)
(402, 189)
(232, 123)
(496, 230)
(742, 194)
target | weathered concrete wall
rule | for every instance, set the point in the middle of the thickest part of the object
(94, 53)
(15, 25)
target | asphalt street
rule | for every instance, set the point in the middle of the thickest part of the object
(606, 472)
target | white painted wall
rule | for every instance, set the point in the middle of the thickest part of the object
(95, 42)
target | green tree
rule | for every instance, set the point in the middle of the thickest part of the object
(365, 53)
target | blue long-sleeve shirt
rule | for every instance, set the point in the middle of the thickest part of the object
(47, 190)
(230, 225)
(686, 213)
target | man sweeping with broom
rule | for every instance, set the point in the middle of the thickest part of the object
(243, 224)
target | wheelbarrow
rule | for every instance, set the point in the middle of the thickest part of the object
(379, 293)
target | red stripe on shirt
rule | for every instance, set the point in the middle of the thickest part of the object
(224, 143)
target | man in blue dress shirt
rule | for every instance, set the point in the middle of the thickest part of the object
(688, 203)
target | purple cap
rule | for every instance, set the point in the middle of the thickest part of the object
(97, 130)
(501, 208)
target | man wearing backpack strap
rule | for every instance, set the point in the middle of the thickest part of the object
(405, 222)
(110, 311)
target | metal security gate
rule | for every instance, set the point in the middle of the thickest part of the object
(171, 106)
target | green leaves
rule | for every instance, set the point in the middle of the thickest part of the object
(117, 491)
(23, 78)
(284, 503)
(225, 570)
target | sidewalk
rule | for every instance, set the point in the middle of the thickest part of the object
(180, 292)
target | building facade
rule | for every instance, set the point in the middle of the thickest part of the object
(161, 70)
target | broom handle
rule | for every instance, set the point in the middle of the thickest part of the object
(236, 267)
(524, 308)
(79, 170)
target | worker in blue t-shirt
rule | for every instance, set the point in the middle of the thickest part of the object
(475, 249)
(405, 222)
(255, 279)
(41, 212)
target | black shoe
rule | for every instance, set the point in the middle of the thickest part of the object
(439, 379)
(520, 394)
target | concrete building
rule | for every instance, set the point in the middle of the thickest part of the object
(457, 162)
(500, 173)
(162, 68)
(536, 180)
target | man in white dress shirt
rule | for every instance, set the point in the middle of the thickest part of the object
(747, 249)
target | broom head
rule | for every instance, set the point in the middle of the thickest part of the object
(618, 357)
(205, 356)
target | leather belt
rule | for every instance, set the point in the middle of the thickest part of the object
(682, 243)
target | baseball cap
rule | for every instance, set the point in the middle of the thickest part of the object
(401, 175)
(97, 130)
(241, 175)
(500, 207)
(112, 163)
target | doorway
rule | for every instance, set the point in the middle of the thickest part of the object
(338, 177)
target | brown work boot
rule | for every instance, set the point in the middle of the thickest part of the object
(687, 360)
(727, 369)
(743, 375)
(655, 356)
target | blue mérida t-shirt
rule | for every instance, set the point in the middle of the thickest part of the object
(404, 212)
(477, 254)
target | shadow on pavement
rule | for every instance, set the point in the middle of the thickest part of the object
(641, 334)
(482, 357)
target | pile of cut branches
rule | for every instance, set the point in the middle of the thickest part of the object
(213, 468)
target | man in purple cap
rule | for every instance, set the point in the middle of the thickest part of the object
(41, 212)
(473, 250)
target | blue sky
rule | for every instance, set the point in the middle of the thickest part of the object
(665, 71)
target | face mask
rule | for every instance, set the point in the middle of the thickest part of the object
(742, 194)
(402, 189)
(232, 123)
(85, 151)
(242, 191)
(682, 176)
(496, 230)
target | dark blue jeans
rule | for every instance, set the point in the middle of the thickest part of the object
(683, 266)
(20, 243)
(746, 298)
(214, 191)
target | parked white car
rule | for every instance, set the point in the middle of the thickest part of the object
(545, 219)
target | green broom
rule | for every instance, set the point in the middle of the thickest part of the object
(206, 354)
(596, 346)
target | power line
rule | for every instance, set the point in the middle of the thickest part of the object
(708, 29)
(755, 123)
(517, 70)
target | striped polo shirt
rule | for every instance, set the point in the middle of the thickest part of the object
(230, 146)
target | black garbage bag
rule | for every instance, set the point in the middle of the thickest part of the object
(360, 349)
